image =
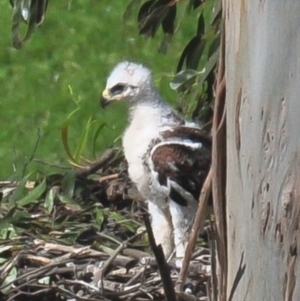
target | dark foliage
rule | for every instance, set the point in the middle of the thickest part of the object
(32, 13)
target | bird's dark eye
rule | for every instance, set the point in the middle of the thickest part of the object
(117, 89)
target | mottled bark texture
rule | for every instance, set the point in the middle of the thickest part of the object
(263, 149)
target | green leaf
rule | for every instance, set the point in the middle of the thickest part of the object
(64, 138)
(99, 219)
(116, 216)
(214, 45)
(168, 23)
(191, 53)
(182, 78)
(201, 25)
(193, 4)
(120, 220)
(83, 140)
(210, 65)
(96, 135)
(107, 250)
(20, 191)
(193, 58)
(49, 199)
(68, 183)
(9, 279)
(7, 219)
(150, 16)
(32, 12)
(33, 196)
(2, 261)
(67, 200)
(45, 280)
(217, 13)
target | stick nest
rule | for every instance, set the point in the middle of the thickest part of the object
(81, 236)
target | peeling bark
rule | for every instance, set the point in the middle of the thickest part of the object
(263, 149)
(218, 176)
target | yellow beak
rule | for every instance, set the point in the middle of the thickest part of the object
(105, 94)
(105, 98)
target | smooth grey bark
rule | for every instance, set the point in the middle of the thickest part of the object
(263, 150)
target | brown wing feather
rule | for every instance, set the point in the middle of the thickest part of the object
(181, 163)
(186, 132)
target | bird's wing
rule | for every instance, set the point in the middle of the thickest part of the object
(181, 161)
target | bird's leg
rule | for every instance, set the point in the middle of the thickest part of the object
(182, 217)
(162, 227)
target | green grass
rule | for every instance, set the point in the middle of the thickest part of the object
(75, 49)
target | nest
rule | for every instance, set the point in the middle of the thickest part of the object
(82, 236)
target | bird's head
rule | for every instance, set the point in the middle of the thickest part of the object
(128, 81)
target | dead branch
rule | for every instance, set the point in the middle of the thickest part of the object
(163, 267)
(199, 219)
(96, 165)
(219, 172)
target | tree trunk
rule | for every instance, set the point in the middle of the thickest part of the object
(263, 149)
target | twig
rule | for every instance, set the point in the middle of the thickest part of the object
(219, 172)
(134, 253)
(135, 277)
(163, 267)
(44, 270)
(44, 290)
(212, 291)
(109, 177)
(103, 235)
(95, 166)
(199, 219)
(100, 275)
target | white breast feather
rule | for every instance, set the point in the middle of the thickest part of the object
(142, 130)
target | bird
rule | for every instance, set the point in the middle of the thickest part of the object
(168, 157)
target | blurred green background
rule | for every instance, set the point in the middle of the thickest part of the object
(66, 62)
